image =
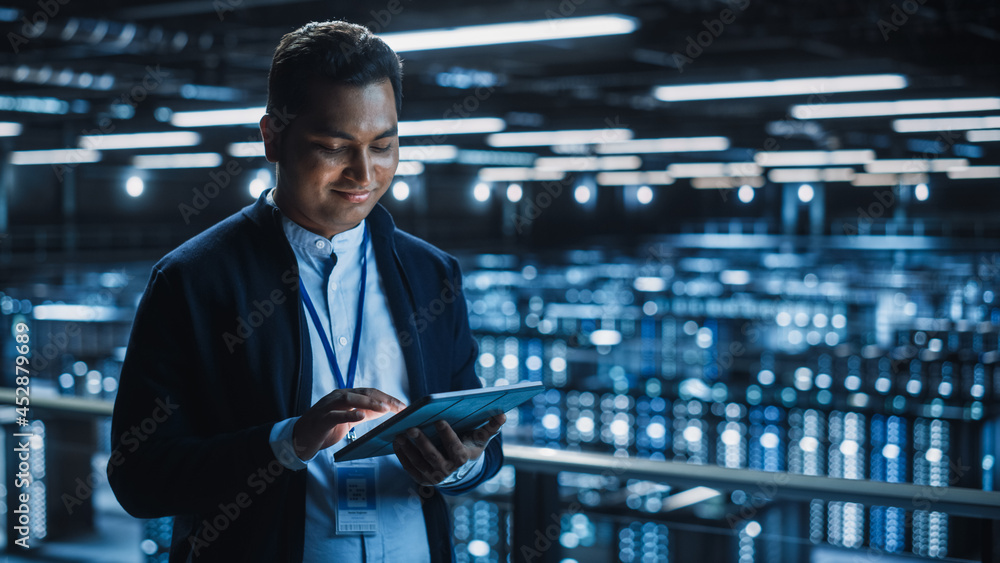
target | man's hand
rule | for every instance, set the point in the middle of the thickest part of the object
(328, 421)
(428, 464)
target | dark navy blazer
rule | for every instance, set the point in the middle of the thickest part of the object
(219, 352)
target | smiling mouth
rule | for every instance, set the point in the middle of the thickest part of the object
(354, 196)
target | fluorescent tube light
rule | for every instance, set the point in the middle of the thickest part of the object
(140, 140)
(912, 166)
(10, 129)
(974, 172)
(180, 160)
(56, 156)
(813, 158)
(651, 177)
(983, 136)
(85, 313)
(429, 153)
(904, 107)
(588, 163)
(216, 117)
(512, 32)
(409, 168)
(689, 144)
(568, 137)
(945, 124)
(864, 180)
(495, 158)
(894, 166)
(451, 126)
(518, 174)
(946, 164)
(250, 116)
(695, 170)
(797, 175)
(705, 169)
(247, 149)
(784, 87)
(726, 182)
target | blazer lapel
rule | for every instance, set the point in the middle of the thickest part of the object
(400, 298)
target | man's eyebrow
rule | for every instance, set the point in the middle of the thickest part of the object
(391, 132)
(327, 132)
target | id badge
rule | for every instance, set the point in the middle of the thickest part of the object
(357, 498)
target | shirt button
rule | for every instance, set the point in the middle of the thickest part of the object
(343, 341)
(333, 286)
(321, 244)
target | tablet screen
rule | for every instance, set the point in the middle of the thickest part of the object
(463, 410)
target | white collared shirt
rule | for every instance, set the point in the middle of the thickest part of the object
(334, 292)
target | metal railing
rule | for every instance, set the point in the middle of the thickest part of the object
(536, 496)
(952, 500)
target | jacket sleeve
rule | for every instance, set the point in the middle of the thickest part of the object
(165, 458)
(464, 377)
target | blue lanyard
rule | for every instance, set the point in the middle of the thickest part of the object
(352, 364)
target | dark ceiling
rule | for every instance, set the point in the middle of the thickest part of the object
(945, 49)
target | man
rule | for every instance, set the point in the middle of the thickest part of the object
(261, 343)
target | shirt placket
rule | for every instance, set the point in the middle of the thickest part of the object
(341, 313)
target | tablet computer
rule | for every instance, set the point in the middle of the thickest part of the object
(463, 410)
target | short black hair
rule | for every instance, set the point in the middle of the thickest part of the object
(338, 51)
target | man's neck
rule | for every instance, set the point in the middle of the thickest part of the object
(301, 220)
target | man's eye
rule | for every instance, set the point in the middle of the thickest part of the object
(386, 148)
(324, 148)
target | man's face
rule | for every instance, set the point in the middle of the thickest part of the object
(337, 156)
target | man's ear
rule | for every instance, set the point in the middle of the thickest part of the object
(271, 133)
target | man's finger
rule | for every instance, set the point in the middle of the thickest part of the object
(485, 433)
(428, 450)
(451, 443)
(350, 399)
(344, 398)
(416, 459)
(404, 460)
(391, 402)
(334, 417)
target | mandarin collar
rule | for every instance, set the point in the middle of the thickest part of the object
(312, 243)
